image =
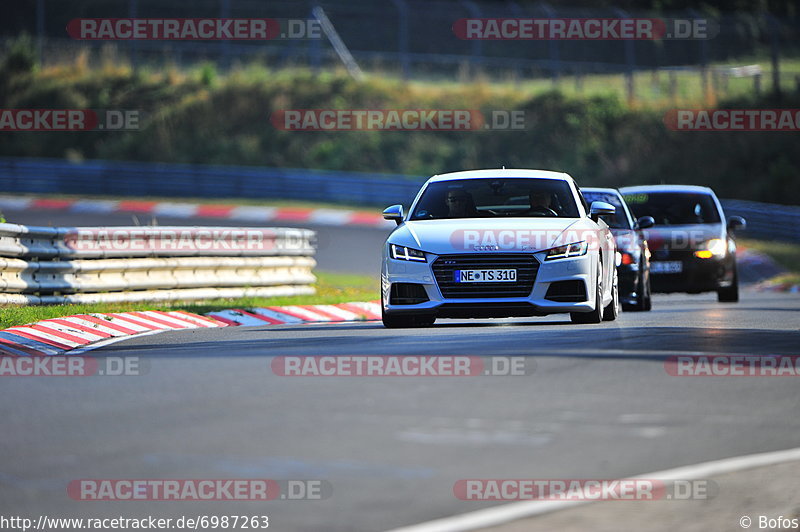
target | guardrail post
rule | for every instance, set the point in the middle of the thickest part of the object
(402, 37)
(477, 44)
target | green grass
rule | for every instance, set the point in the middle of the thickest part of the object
(331, 288)
(784, 253)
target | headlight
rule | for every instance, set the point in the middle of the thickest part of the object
(404, 253)
(570, 250)
(713, 248)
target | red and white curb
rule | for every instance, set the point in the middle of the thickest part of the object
(342, 312)
(84, 332)
(245, 213)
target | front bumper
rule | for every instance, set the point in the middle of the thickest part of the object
(531, 303)
(697, 275)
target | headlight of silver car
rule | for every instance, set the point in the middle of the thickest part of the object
(570, 250)
(406, 253)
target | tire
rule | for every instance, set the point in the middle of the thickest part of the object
(644, 300)
(596, 315)
(611, 311)
(405, 321)
(730, 294)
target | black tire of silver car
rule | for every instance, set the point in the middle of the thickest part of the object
(596, 315)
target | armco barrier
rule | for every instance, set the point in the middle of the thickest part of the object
(114, 178)
(45, 265)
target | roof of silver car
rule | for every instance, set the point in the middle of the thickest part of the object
(502, 172)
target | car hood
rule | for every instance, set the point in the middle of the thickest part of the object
(490, 234)
(681, 236)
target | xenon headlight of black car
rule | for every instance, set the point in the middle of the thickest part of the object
(406, 253)
(575, 249)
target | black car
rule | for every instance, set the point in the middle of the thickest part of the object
(692, 245)
(633, 269)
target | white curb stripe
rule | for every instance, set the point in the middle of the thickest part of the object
(90, 337)
(92, 325)
(345, 314)
(171, 320)
(121, 322)
(306, 314)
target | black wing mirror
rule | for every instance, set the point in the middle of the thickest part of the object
(736, 223)
(395, 212)
(600, 208)
(645, 222)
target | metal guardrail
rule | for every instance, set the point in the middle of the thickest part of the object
(48, 176)
(766, 221)
(46, 265)
(117, 178)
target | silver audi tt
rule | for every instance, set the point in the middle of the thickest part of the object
(499, 243)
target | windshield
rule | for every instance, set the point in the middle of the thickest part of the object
(674, 208)
(619, 220)
(495, 197)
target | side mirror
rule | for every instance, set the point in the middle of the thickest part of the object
(600, 208)
(645, 222)
(736, 223)
(395, 212)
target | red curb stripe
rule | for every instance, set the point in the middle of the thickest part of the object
(131, 319)
(297, 215)
(78, 326)
(137, 206)
(365, 218)
(105, 323)
(169, 316)
(214, 211)
(45, 203)
(162, 322)
(60, 334)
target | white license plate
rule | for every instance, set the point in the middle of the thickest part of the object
(671, 266)
(485, 276)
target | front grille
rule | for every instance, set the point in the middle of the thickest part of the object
(526, 267)
(566, 291)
